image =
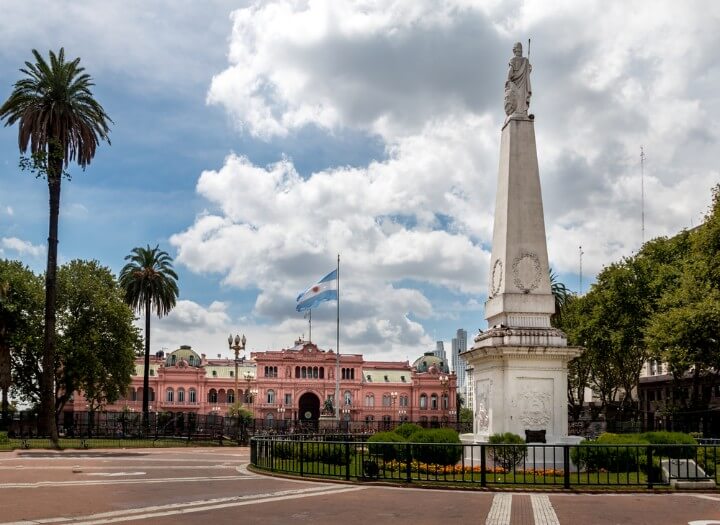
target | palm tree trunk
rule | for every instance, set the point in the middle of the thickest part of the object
(146, 372)
(48, 422)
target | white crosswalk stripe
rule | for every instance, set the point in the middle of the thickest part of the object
(543, 510)
(500, 510)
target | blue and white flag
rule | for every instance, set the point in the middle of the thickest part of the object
(324, 290)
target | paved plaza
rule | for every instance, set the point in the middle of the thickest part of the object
(211, 485)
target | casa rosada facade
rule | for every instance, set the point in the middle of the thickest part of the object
(294, 384)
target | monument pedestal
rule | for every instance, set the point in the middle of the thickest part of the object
(520, 388)
(327, 422)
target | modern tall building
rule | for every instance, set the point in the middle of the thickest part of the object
(440, 351)
(459, 345)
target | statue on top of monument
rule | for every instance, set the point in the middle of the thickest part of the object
(517, 85)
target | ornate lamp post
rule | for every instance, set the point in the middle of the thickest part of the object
(239, 345)
(401, 414)
(444, 381)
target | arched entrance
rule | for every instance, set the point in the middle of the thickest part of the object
(309, 407)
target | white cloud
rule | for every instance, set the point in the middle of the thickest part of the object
(625, 75)
(21, 247)
(9, 211)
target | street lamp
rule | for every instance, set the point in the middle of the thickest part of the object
(402, 413)
(444, 382)
(239, 345)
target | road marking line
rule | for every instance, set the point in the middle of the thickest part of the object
(543, 510)
(500, 510)
(189, 507)
(111, 474)
(705, 496)
(40, 484)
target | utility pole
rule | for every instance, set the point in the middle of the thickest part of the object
(581, 252)
(642, 193)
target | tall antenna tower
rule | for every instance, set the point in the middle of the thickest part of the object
(581, 252)
(642, 193)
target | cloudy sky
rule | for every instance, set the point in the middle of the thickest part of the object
(256, 141)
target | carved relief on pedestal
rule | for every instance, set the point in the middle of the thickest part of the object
(496, 278)
(483, 391)
(534, 402)
(526, 271)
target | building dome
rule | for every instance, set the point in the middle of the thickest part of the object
(428, 362)
(184, 353)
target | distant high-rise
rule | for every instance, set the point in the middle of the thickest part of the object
(459, 345)
(440, 351)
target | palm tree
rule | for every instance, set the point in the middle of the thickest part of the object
(561, 293)
(150, 283)
(61, 122)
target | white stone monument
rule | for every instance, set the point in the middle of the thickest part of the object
(520, 362)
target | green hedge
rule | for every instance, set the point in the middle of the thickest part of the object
(434, 451)
(380, 445)
(407, 429)
(611, 457)
(511, 453)
(4, 440)
(671, 438)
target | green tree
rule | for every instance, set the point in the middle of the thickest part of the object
(684, 330)
(149, 283)
(96, 343)
(60, 121)
(21, 302)
(561, 295)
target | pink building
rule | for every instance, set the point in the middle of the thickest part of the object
(293, 384)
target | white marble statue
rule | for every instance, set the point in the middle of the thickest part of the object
(517, 86)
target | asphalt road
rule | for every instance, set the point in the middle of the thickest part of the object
(212, 486)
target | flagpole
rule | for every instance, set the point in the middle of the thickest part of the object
(337, 347)
(310, 325)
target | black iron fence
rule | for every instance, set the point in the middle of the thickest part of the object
(189, 426)
(562, 466)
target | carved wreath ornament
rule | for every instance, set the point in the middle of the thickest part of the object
(526, 271)
(497, 277)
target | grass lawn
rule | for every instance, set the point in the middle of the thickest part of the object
(606, 480)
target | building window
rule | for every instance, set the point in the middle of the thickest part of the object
(303, 372)
(387, 380)
(445, 401)
(369, 419)
(402, 378)
(170, 397)
(151, 397)
(271, 396)
(271, 371)
(369, 378)
(133, 394)
(369, 400)
(214, 373)
(191, 360)
(181, 395)
(173, 359)
(434, 402)
(230, 396)
(386, 400)
(288, 399)
(212, 396)
(152, 372)
(232, 374)
(322, 372)
(192, 395)
(423, 401)
(403, 401)
(297, 372)
(348, 397)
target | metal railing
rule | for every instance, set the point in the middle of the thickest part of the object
(559, 466)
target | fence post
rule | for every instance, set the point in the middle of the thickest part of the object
(650, 470)
(408, 462)
(347, 460)
(566, 466)
(483, 466)
(302, 458)
(271, 453)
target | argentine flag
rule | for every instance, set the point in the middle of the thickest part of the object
(324, 290)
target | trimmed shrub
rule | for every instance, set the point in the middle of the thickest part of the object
(4, 439)
(511, 453)
(379, 444)
(671, 438)
(406, 430)
(611, 452)
(434, 451)
(708, 458)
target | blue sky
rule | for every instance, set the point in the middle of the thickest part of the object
(254, 142)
